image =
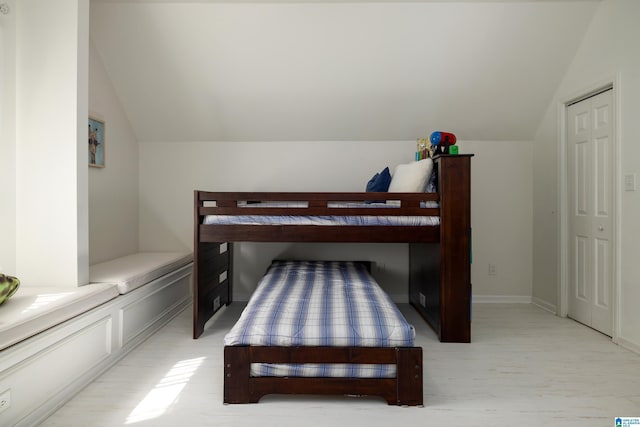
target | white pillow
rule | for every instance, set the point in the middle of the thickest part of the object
(411, 177)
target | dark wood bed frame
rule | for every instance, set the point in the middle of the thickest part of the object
(405, 389)
(439, 280)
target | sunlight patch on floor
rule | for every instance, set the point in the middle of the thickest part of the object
(166, 392)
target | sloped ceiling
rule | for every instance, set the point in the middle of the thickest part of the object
(314, 71)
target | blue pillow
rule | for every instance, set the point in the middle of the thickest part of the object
(379, 182)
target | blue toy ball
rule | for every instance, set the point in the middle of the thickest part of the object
(435, 138)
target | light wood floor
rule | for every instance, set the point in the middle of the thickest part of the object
(525, 367)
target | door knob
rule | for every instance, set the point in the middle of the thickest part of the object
(601, 228)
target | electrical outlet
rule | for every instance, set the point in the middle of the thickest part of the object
(216, 303)
(5, 400)
(492, 269)
(630, 182)
(423, 300)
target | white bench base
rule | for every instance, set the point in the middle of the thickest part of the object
(45, 371)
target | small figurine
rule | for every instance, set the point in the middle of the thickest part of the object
(424, 149)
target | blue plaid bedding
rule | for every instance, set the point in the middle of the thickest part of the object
(316, 303)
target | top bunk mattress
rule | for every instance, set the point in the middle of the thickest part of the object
(320, 303)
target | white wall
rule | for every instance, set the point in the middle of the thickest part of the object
(609, 48)
(51, 110)
(8, 141)
(112, 197)
(113, 190)
(501, 202)
(546, 213)
(501, 220)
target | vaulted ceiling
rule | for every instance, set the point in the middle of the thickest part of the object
(314, 71)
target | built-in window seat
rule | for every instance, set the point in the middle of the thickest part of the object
(56, 340)
(36, 309)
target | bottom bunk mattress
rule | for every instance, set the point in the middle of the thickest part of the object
(321, 303)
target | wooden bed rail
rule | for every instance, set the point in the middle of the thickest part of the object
(240, 203)
(312, 196)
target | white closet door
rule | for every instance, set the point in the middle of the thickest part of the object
(590, 178)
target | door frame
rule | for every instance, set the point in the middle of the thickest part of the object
(614, 84)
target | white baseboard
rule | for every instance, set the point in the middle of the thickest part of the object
(629, 345)
(500, 299)
(545, 305)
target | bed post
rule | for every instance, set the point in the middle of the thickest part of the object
(198, 327)
(409, 376)
(230, 273)
(455, 247)
(440, 274)
(211, 288)
(236, 374)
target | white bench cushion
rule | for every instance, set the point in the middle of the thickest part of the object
(34, 309)
(132, 271)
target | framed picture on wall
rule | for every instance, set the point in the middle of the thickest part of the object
(96, 143)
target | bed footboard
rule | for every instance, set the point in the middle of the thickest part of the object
(404, 389)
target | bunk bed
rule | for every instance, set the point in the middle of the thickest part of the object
(437, 227)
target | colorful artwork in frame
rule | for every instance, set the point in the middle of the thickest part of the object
(96, 143)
